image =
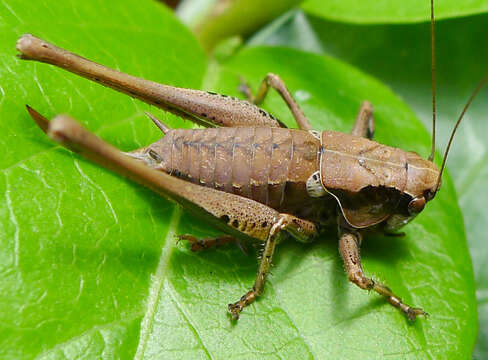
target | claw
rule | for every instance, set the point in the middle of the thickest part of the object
(234, 311)
(412, 313)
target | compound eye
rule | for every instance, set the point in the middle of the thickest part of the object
(416, 205)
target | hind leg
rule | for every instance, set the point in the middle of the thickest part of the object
(302, 230)
(232, 214)
(204, 108)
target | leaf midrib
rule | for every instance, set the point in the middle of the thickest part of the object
(157, 284)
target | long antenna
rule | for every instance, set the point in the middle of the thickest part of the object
(432, 46)
(473, 95)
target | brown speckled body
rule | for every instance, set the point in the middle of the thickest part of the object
(352, 163)
(368, 180)
(250, 177)
(269, 165)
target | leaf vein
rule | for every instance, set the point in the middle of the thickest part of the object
(187, 320)
(94, 328)
(157, 285)
(99, 188)
(299, 333)
(14, 221)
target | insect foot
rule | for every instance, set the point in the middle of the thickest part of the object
(411, 312)
(236, 308)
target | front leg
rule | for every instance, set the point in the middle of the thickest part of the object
(349, 249)
(299, 228)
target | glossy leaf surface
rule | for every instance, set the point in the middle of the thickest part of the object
(89, 262)
(78, 244)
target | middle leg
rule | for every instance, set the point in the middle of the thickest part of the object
(364, 125)
(198, 244)
(276, 83)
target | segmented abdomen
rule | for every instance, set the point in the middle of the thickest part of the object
(269, 165)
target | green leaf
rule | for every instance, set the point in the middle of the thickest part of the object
(391, 12)
(78, 244)
(309, 310)
(89, 266)
(400, 56)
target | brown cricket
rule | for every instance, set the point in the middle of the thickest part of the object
(253, 178)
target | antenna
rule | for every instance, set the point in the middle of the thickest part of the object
(432, 46)
(473, 95)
